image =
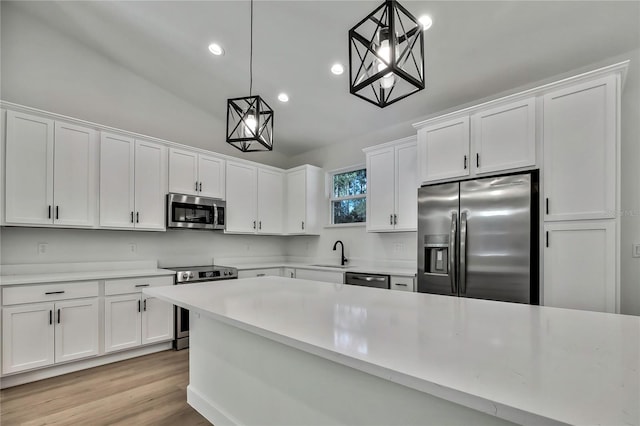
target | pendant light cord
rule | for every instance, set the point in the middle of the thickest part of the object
(251, 53)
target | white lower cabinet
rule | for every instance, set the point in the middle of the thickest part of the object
(579, 265)
(131, 318)
(265, 272)
(402, 283)
(42, 334)
(316, 275)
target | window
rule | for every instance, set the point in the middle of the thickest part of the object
(348, 196)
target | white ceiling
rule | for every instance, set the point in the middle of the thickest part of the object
(474, 49)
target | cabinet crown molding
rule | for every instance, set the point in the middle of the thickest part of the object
(408, 139)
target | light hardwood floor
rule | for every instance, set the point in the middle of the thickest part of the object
(149, 390)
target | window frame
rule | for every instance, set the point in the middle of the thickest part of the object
(332, 199)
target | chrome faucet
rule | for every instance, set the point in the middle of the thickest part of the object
(343, 260)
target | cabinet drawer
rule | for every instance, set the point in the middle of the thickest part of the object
(49, 292)
(402, 283)
(134, 285)
(266, 272)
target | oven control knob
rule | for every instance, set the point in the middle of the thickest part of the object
(185, 276)
(226, 273)
(191, 275)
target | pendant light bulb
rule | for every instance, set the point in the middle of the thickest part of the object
(384, 52)
(250, 124)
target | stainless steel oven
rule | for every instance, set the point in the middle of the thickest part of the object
(192, 212)
(192, 275)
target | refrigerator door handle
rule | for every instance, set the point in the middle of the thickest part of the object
(463, 253)
(452, 252)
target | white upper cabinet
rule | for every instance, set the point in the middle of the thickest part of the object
(255, 199)
(132, 183)
(504, 137)
(211, 176)
(580, 139)
(51, 172)
(304, 198)
(392, 187)
(150, 185)
(443, 150)
(242, 198)
(270, 202)
(196, 174)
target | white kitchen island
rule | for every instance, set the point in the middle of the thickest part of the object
(281, 351)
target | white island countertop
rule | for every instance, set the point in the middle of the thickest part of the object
(527, 364)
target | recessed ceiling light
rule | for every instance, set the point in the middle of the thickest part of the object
(216, 49)
(283, 97)
(337, 69)
(425, 21)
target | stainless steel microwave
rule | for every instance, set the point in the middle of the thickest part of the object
(192, 212)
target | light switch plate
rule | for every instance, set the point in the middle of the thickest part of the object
(636, 250)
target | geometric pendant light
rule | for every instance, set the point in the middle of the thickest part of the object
(386, 55)
(250, 118)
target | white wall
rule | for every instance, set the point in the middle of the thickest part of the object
(42, 68)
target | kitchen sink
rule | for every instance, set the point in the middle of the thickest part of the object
(332, 266)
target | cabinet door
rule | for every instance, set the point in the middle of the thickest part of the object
(27, 337)
(406, 188)
(211, 176)
(75, 175)
(116, 181)
(183, 171)
(443, 150)
(270, 201)
(150, 185)
(157, 320)
(76, 329)
(380, 189)
(122, 322)
(296, 184)
(579, 265)
(242, 196)
(580, 151)
(402, 283)
(29, 169)
(504, 137)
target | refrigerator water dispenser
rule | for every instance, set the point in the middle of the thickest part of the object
(436, 254)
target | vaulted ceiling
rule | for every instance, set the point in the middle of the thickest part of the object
(473, 50)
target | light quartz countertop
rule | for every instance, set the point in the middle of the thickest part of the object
(527, 364)
(393, 270)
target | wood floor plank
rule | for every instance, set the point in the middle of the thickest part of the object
(149, 390)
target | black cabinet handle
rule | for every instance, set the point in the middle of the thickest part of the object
(55, 292)
(50, 317)
(196, 186)
(303, 225)
(57, 212)
(145, 304)
(260, 225)
(58, 316)
(477, 159)
(395, 219)
(254, 224)
(390, 219)
(546, 201)
(138, 306)
(465, 162)
(137, 217)
(200, 186)
(49, 212)
(547, 239)
(401, 284)
(142, 285)
(131, 217)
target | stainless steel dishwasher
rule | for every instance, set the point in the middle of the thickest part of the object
(368, 280)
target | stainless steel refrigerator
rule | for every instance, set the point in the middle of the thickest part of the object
(479, 238)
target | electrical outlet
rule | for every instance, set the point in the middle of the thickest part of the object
(133, 247)
(636, 250)
(398, 248)
(42, 248)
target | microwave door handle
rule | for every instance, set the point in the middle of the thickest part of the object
(452, 252)
(215, 215)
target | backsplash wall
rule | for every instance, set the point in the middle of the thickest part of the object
(171, 248)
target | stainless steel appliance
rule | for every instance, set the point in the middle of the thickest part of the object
(479, 238)
(191, 212)
(191, 275)
(367, 280)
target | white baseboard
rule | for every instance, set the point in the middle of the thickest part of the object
(208, 409)
(58, 370)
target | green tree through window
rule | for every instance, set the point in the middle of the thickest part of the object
(348, 197)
